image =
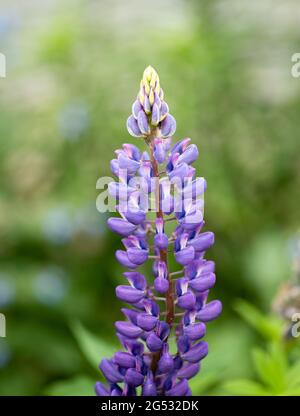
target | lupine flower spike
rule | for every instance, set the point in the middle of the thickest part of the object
(162, 334)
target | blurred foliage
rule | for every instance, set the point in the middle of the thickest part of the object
(276, 372)
(78, 386)
(269, 327)
(92, 346)
(73, 72)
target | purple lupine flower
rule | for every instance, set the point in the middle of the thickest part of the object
(171, 303)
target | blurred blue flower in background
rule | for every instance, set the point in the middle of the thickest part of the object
(57, 226)
(5, 353)
(7, 290)
(294, 245)
(9, 20)
(73, 120)
(61, 224)
(88, 221)
(294, 249)
(50, 286)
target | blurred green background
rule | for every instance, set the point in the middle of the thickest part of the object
(73, 71)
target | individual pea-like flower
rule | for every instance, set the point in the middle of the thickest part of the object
(171, 303)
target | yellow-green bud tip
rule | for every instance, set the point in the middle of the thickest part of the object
(150, 80)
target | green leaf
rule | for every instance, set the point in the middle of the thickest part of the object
(271, 367)
(293, 376)
(224, 353)
(93, 347)
(269, 327)
(203, 382)
(291, 392)
(244, 387)
(78, 386)
(279, 357)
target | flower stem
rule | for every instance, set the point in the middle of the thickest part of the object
(163, 253)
